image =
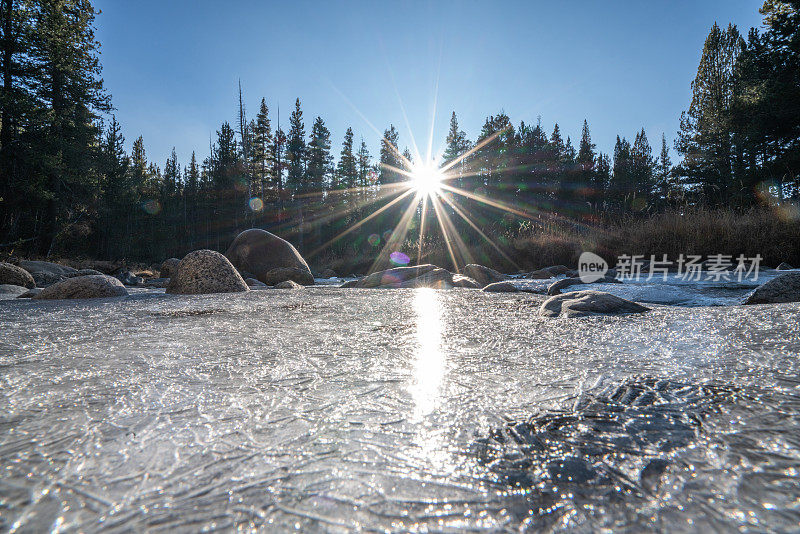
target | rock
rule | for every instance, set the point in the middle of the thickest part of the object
(407, 277)
(783, 288)
(11, 291)
(784, 267)
(350, 283)
(584, 303)
(84, 272)
(205, 271)
(46, 273)
(483, 275)
(260, 252)
(45, 278)
(541, 274)
(128, 278)
(459, 280)
(252, 282)
(156, 282)
(288, 284)
(501, 287)
(14, 275)
(168, 267)
(557, 270)
(556, 287)
(329, 273)
(282, 274)
(31, 293)
(84, 287)
(46, 266)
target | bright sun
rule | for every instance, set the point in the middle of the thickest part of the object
(426, 179)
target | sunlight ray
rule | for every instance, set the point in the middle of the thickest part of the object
(399, 234)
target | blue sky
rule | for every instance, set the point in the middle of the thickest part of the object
(173, 67)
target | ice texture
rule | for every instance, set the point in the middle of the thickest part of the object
(340, 409)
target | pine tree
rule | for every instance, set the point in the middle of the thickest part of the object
(706, 134)
(263, 146)
(296, 152)
(320, 161)
(346, 168)
(586, 161)
(642, 171)
(665, 189)
(364, 165)
(389, 157)
(67, 58)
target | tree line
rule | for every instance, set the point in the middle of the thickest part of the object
(67, 184)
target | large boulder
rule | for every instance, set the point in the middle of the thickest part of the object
(783, 288)
(584, 303)
(408, 277)
(205, 271)
(260, 252)
(168, 267)
(14, 275)
(84, 287)
(483, 275)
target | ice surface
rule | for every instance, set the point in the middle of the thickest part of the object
(337, 409)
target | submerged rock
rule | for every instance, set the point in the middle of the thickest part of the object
(168, 267)
(350, 283)
(483, 275)
(288, 284)
(84, 287)
(408, 277)
(252, 282)
(556, 287)
(31, 293)
(459, 280)
(783, 288)
(262, 253)
(784, 267)
(584, 303)
(11, 290)
(15, 275)
(501, 287)
(205, 271)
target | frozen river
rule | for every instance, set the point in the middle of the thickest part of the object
(339, 409)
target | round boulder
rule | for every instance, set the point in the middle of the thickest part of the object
(11, 291)
(260, 252)
(168, 267)
(84, 287)
(459, 280)
(205, 271)
(584, 303)
(782, 288)
(483, 275)
(14, 275)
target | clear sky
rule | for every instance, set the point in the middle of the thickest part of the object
(173, 67)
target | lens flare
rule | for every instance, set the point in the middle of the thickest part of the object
(256, 204)
(426, 178)
(398, 258)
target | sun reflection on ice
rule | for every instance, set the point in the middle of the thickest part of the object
(429, 365)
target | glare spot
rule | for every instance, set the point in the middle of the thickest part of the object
(374, 240)
(256, 204)
(398, 258)
(153, 207)
(429, 366)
